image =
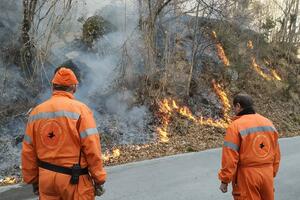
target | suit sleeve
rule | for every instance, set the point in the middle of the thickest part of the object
(90, 141)
(29, 157)
(277, 157)
(230, 155)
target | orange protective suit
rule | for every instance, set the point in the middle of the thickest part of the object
(56, 131)
(250, 157)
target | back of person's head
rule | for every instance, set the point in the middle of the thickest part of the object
(64, 79)
(72, 66)
(244, 100)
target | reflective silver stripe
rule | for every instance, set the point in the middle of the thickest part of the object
(89, 131)
(27, 139)
(49, 115)
(258, 129)
(231, 146)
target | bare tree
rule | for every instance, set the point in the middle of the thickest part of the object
(28, 46)
(35, 13)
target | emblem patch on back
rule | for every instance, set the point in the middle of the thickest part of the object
(261, 146)
(51, 134)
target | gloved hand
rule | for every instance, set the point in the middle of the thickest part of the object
(35, 188)
(99, 190)
(224, 187)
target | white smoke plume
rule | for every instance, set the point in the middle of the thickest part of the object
(118, 114)
(115, 109)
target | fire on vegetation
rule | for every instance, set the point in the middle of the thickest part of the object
(8, 181)
(168, 107)
(270, 74)
(107, 156)
(220, 50)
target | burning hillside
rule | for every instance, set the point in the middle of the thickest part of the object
(168, 107)
(267, 73)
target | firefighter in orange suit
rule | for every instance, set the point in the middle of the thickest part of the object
(61, 155)
(251, 155)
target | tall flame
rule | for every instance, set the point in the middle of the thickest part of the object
(167, 107)
(224, 99)
(222, 55)
(220, 50)
(258, 69)
(165, 111)
(273, 75)
(250, 44)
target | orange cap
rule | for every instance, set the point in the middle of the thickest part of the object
(65, 77)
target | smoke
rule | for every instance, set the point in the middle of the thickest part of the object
(12, 83)
(116, 109)
(12, 93)
(118, 114)
(10, 18)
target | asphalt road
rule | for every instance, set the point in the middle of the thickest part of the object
(182, 177)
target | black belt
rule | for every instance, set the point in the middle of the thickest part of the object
(60, 169)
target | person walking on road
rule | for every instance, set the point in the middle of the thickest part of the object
(61, 153)
(251, 153)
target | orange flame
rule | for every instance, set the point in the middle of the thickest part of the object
(107, 156)
(220, 50)
(224, 99)
(273, 75)
(222, 55)
(8, 181)
(166, 110)
(214, 35)
(116, 153)
(175, 105)
(163, 134)
(273, 72)
(186, 112)
(250, 44)
(167, 107)
(258, 69)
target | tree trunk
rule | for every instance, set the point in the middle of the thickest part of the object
(294, 22)
(194, 49)
(27, 42)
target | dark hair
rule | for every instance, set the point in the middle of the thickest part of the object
(57, 69)
(62, 88)
(244, 100)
